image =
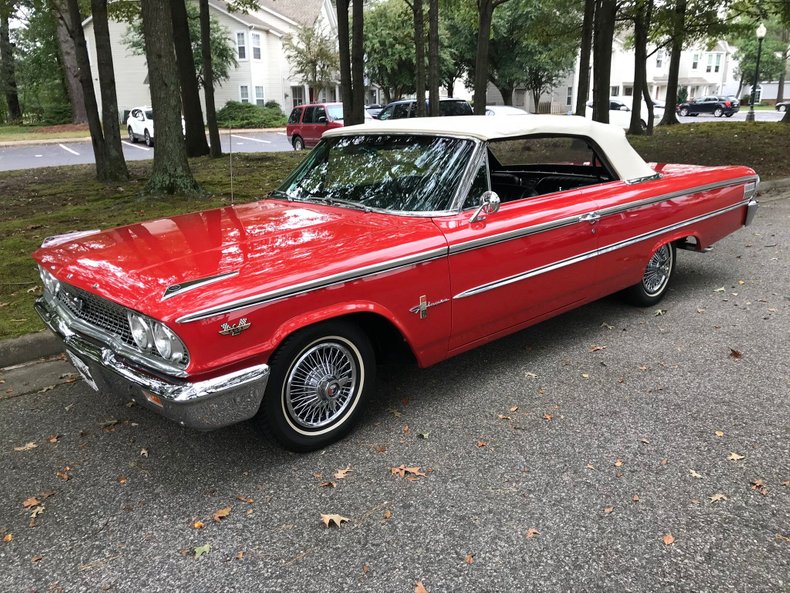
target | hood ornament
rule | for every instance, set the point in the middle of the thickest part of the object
(235, 330)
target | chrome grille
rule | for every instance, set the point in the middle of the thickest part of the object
(96, 311)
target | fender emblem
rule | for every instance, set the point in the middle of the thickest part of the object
(235, 330)
(422, 308)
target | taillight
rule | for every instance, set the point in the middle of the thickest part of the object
(727, 103)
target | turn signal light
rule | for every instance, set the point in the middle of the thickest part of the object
(154, 399)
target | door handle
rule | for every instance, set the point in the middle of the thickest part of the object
(591, 217)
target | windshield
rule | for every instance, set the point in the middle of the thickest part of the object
(389, 172)
(335, 111)
(149, 114)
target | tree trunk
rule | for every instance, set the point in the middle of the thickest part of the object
(507, 94)
(584, 58)
(91, 108)
(190, 94)
(116, 164)
(780, 92)
(344, 53)
(208, 80)
(419, 54)
(357, 65)
(171, 173)
(68, 57)
(640, 66)
(485, 16)
(678, 37)
(605, 11)
(9, 71)
(433, 58)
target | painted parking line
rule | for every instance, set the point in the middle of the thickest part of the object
(251, 139)
(134, 145)
(281, 133)
(67, 149)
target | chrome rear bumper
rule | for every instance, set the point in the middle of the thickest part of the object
(203, 405)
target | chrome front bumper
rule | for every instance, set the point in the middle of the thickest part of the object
(203, 405)
(751, 211)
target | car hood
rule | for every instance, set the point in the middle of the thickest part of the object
(173, 266)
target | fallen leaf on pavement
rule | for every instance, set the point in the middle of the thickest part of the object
(531, 376)
(733, 456)
(735, 354)
(327, 484)
(387, 515)
(668, 539)
(342, 474)
(221, 514)
(333, 519)
(720, 289)
(423, 435)
(198, 525)
(695, 474)
(503, 417)
(719, 433)
(596, 348)
(718, 497)
(380, 448)
(589, 466)
(481, 444)
(608, 510)
(469, 559)
(122, 480)
(63, 474)
(200, 550)
(419, 587)
(54, 438)
(514, 408)
(31, 502)
(144, 453)
(548, 417)
(245, 499)
(635, 498)
(406, 429)
(37, 558)
(585, 375)
(239, 555)
(618, 463)
(8, 537)
(532, 532)
(404, 471)
(25, 447)
(760, 486)
(659, 312)
(365, 569)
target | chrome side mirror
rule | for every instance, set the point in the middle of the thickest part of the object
(489, 204)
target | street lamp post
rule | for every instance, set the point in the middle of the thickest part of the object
(761, 31)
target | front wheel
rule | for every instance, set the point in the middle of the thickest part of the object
(148, 140)
(684, 112)
(132, 137)
(718, 112)
(318, 382)
(298, 143)
(655, 279)
(782, 108)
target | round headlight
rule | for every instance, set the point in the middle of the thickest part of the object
(167, 343)
(141, 332)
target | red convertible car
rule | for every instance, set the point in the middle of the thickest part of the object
(430, 235)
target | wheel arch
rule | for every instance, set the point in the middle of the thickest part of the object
(387, 335)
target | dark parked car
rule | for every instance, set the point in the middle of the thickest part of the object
(408, 108)
(783, 106)
(717, 106)
(374, 109)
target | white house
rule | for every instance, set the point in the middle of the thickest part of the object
(263, 72)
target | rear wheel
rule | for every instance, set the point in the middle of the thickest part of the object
(655, 279)
(132, 137)
(319, 379)
(718, 112)
(684, 112)
(729, 114)
(298, 143)
(782, 108)
(148, 140)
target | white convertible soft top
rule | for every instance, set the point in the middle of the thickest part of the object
(627, 163)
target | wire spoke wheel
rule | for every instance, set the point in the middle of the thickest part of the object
(321, 384)
(657, 271)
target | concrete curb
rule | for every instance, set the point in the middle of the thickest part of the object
(29, 347)
(32, 346)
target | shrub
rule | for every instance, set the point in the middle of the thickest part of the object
(246, 115)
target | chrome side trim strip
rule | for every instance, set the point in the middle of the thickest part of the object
(183, 287)
(316, 284)
(594, 253)
(539, 228)
(643, 179)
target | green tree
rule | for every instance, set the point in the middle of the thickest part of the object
(313, 57)
(389, 48)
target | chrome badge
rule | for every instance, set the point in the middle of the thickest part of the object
(235, 330)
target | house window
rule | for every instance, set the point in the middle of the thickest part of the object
(244, 93)
(614, 91)
(695, 61)
(255, 41)
(718, 63)
(297, 93)
(628, 91)
(259, 96)
(709, 67)
(241, 45)
(660, 58)
(758, 94)
(569, 96)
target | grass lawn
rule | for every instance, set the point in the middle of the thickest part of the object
(40, 202)
(61, 132)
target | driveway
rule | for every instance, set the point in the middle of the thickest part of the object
(28, 156)
(610, 449)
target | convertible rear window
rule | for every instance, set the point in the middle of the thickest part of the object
(393, 172)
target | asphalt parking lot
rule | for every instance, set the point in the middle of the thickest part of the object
(609, 449)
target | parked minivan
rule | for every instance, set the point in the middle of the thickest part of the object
(307, 123)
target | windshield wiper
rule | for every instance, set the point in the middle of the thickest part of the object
(278, 193)
(340, 202)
